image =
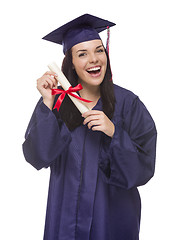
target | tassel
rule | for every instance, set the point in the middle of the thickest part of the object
(107, 47)
(108, 38)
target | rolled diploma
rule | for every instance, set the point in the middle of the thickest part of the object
(65, 84)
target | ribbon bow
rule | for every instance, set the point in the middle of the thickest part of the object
(70, 92)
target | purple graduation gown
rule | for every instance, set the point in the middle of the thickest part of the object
(94, 178)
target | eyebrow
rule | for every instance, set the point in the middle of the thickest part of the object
(84, 50)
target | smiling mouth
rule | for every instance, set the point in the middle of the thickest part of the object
(94, 71)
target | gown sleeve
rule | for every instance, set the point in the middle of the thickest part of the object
(128, 159)
(46, 137)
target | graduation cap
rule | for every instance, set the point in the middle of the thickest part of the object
(81, 29)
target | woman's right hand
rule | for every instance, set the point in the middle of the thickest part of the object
(45, 85)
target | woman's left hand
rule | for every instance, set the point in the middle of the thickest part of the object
(98, 121)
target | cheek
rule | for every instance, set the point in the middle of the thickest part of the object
(78, 64)
(80, 68)
(104, 60)
(105, 65)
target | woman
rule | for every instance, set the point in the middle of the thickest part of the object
(97, 160)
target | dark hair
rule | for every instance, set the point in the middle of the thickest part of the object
(68, 112)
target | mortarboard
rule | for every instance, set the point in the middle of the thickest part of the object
(81, 29)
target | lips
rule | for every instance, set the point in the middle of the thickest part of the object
(94, 71)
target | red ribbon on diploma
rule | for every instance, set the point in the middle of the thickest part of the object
(70, 92)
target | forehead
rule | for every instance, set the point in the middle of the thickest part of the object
(88, 45)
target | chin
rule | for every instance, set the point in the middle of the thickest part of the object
(94, 82)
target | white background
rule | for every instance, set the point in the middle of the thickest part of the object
(145, 58)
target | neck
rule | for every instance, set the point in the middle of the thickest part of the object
(91, 93)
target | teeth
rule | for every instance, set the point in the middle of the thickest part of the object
(94, 69)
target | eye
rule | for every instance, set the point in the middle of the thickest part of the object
(82, 54)
(100, 50)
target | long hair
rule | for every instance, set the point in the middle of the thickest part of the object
(68, 112)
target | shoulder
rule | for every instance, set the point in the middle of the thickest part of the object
(123, 93)
(125, 100)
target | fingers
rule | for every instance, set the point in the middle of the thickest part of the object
(92, 124)
(98, 121)
(93, 118)
(50, 73)
(91, 112)
(45, 82)
(48, 80)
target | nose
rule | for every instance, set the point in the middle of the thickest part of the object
(93, 58)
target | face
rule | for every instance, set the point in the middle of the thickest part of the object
(90, 62)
